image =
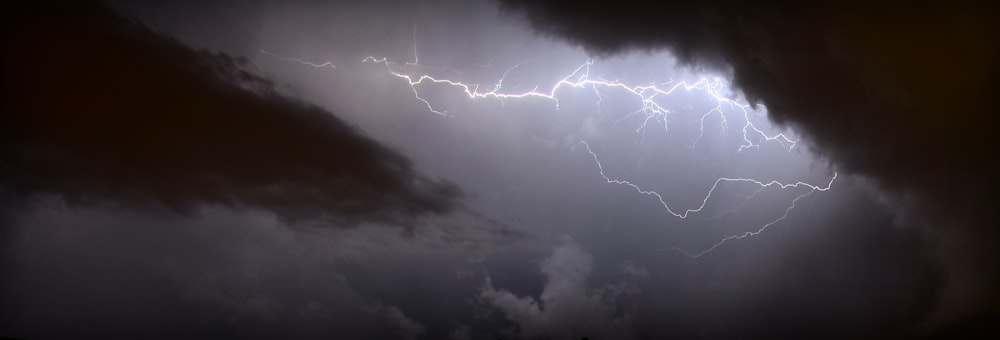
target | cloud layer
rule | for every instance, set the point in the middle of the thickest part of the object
(101, 110)
(899, 93)
(568, 307)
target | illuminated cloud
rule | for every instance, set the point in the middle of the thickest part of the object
(897, 92)
(640, 159)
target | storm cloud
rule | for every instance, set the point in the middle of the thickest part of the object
(898, 92)
(567, 307)
(100, 110)
(164, 163)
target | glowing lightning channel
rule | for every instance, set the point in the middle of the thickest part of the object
(759, 230)
(647, 95)
(704, 201)
(580, 78)
(762, 185)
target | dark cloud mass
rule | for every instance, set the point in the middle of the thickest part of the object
(899, 92)
(159, 179)
(101, 110)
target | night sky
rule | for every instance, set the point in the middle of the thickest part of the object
(499, 169)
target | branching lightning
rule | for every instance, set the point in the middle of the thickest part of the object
(580, 78)
(647, 96)
(684, 214)
(704, 201)
(812, 189)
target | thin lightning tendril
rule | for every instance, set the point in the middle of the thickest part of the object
(580, 78)
(647, 95)
(300, 61)
(742, 204)
(759, 230)
(704, 201)
(762, 185)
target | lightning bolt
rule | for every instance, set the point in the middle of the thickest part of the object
(704, 201)
(685, 213)
(647, 95)
(742, 204)
(580, 78)
(812, 189)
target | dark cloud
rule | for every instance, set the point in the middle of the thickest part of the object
(88, 273)
(99, 109)
(106, 124)
(232, 269)
(897, 92)
(567, 307)
(408, 329)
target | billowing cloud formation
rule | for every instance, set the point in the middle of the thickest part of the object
(567, 308)
(899, 93)
(222, 273)
(98, 109)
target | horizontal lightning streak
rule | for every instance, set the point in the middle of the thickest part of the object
(755, 232)
(580, 78)
(647, 95)
(762, 185)
(704, 201)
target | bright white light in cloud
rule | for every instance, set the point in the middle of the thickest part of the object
(662, 105)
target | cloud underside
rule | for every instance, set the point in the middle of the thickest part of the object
(902, 95)
(567, 307)
(98, 109)
(898, 94)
